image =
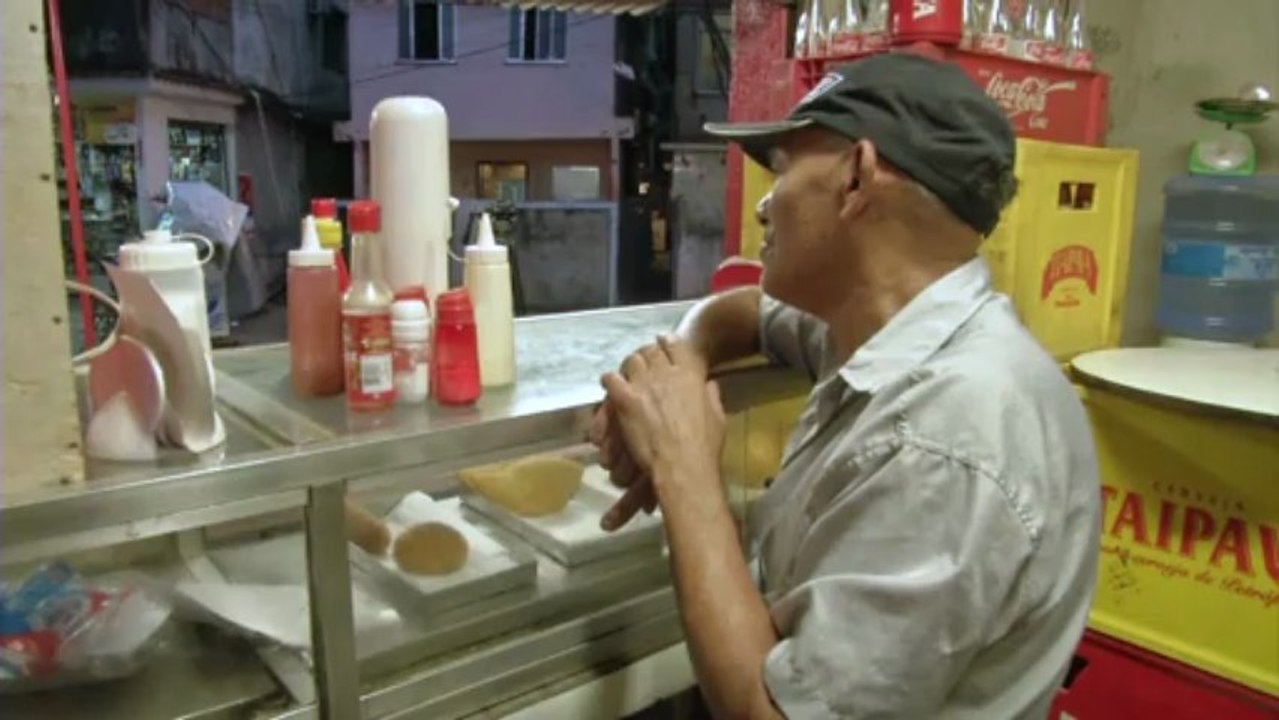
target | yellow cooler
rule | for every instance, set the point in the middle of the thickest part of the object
(1189, 446)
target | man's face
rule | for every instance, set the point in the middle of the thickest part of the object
(802, 218)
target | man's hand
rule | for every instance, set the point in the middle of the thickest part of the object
(670, 416)
(638, 494)
(615, 456)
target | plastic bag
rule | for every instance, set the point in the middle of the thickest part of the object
(58, 629)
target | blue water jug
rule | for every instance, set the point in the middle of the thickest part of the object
(1220, 267)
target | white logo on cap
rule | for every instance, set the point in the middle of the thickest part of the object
(821, 88)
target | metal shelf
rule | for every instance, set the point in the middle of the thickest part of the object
(286, 453)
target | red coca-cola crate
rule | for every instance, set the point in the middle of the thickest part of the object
(1112, 680)
(1043, 102)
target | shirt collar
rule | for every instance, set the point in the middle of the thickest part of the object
(916, 332)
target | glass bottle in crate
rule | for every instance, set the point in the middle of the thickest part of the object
(975, 13)
(996, 36)
(875, 36)
(1041, 32)
(802, 27)
(847, 32)
(1078, 51)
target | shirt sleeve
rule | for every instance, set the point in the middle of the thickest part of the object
(791, 336)
(897, 582)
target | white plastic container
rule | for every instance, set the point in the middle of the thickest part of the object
(409, 178)
(411, 343)
(487, 276)
(175, 270)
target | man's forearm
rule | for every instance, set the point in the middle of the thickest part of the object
(724, 327)
(726, 622)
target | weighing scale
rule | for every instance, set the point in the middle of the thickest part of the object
(1227, 151)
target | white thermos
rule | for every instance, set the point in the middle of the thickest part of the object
(409, 178)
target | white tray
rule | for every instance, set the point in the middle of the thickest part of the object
(491, 567)
(573, 535)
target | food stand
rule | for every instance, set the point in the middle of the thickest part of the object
(279, 488)
(304, 629)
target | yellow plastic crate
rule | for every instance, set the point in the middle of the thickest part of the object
(1061, 248)
(1190, 536)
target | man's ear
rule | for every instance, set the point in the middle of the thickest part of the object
(860, 172)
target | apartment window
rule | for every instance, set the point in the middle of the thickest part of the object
(333, 41)
(538, 36)
(575, 182)
(427, 30)
(502, 180)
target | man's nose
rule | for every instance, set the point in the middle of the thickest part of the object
(761, 208)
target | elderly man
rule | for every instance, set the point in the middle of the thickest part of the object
(929, 546)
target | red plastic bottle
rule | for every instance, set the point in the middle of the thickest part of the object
(456, 357)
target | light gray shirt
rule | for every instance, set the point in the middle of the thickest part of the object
(929, 547)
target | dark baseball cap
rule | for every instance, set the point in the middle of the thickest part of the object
(925, 117)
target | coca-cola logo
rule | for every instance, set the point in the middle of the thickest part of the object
(1027, 96)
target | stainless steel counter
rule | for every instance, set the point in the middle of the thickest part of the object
(285, 453)
(560, 360)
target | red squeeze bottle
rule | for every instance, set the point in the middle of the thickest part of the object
(327, 209)
(455, 369)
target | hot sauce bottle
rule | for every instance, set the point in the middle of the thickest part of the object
(366, 317)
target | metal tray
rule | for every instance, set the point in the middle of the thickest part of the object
(573, 535)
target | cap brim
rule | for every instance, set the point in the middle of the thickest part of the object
(757, 138)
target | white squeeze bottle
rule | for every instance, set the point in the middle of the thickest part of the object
(174, 268)
(487, 277)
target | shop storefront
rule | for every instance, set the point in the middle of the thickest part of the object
(133, 136)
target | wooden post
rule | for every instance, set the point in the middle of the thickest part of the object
(41, 426)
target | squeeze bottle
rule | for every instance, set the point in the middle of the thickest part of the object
(487, 277)
(455, 367)
(174, 268)
(329, 227)
(315, 317)
(366, 317)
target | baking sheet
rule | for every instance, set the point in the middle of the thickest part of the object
(491, 567)
(573, 535)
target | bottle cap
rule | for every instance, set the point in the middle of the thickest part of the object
(485, 250)
(157, 250)
(324, 207)
(409, 312)
(310, 254)
(454, 308)
(157, 236)
(414, 292)
(364, 216)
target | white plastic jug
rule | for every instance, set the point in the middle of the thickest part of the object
(175, 269)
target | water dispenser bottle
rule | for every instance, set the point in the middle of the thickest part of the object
(1220, 266)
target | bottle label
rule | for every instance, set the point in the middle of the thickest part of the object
(1218, 261)
(412, 369)
(369, 364)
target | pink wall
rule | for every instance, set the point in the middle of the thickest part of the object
(488, 98)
